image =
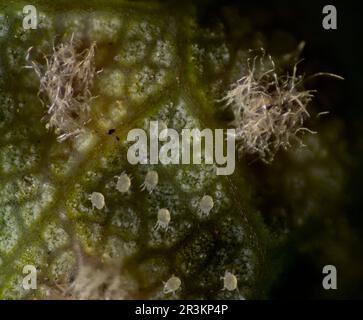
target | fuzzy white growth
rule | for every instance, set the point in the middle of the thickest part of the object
(151, 181)
(163, 219)
(83, 287)
(65, 83)
(206, 204)
(93, 283)
(229, 281)
(92, 280)
(123, 183)
(172, 285)
(97, 200)
(269, 110)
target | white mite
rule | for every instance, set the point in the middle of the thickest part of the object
(229, 281)
(123, 183)
(206, 204)
(151, 181)
(98, 200)
(163, 219)
(172, 285)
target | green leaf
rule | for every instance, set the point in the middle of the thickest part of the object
(155, 67)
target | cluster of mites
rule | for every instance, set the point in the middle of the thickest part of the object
(163, 219)
(206, 204)
(123, 185)
(174, 283)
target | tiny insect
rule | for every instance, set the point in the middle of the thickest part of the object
(98, 200)
(163, 219)
(172, 285)
(123, 182)
(151, 181)
(229, 281)
(206, 204)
